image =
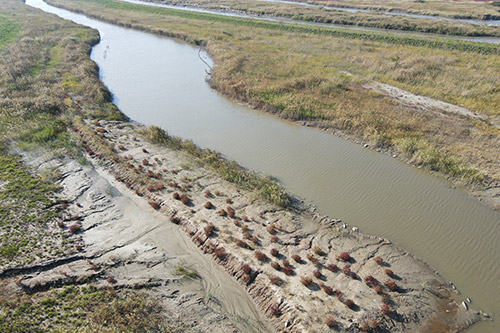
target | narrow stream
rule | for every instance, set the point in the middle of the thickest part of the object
(358, 10)
(492, 40)
(157, 81)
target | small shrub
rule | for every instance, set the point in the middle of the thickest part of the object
(231, 213)
(350, 303)
(286, 263)
(296, 258)
(245, 218)
(110, 279)
(287, 270)
(241, 243)
(209, 229)
(332, 268)
(306, 281)
(276, 265)
(208, 205)
(208, 194)
(244, 227)
(255, 240)
(176, 196)
(261, 256)
(274, 252)
(389, 272)
(331, 322)
(274, 239)
(145, 162)
(175, 219)
(373, 323)
(145, 151)
(275, 310)
(229, 201)
(75, 228)
(222, 212)
(246, 269)
(378, 289)
(154, 204)
(346, 270)
(94, 267)
(344, 256)
(60, 224)
(220, 252)
(271, 229)
(392, 285)
(317, 274)
(371, 281)
(318, 251)
(378, 260)
(328, 290)
(275, 279)
(185, 199)
(364, 326)
(385, 309)
(247, 235)
(139, 193)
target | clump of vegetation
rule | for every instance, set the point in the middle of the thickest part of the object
(306, 281)
(392, 285)
(276, 265)
(344, 256)
(297, 258)
(378, 260)
(389, 272)
(332, 268)
(288, 270)
(220, 252)
(275, 252)
(331, 322)
(261, 256)
(275, 280)
(209, 229)
(185, 272)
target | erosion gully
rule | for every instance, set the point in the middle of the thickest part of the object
(158, 81)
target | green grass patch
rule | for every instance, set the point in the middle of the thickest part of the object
(9, 29)
(186, 272)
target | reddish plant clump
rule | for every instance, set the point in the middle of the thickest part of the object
(274, 239)
(332, 268)
(275, 310)
(286, 263)
(176, 196)
(244, 218)
(94, 267)
(330, 322)
(276, 265)
(317, 274)
(222, 212)
(241, 243)
(154, 204)
(209, 229)
(232, 213)
(271, 229)
(344, 256)
(208, 205)
(385, 309)
(364, 326)
(389, 272)
(346, 270)
(287, 270)
(220, 252)
(208, 194)
(350, 303)
(185, 199)
(60, 224)
(229, 201)
(306, 281)
(255, 240)
(75, 228)
(378, 289)
(328, 290)
(145, 151)
(275, 279)
(371, 281)
(110, 279)
(246, 269)
(296, 258)
(261, 256)
(145, 162)
(274, 252)
(373, 323)
(378, 260)
(137, 192)
(175, 219)
(391, 284)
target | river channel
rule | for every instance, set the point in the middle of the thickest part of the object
(157, 81)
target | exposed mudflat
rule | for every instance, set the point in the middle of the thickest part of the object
(125, 238)
(235, 230)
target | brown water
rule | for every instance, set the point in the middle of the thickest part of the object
(162, 82)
